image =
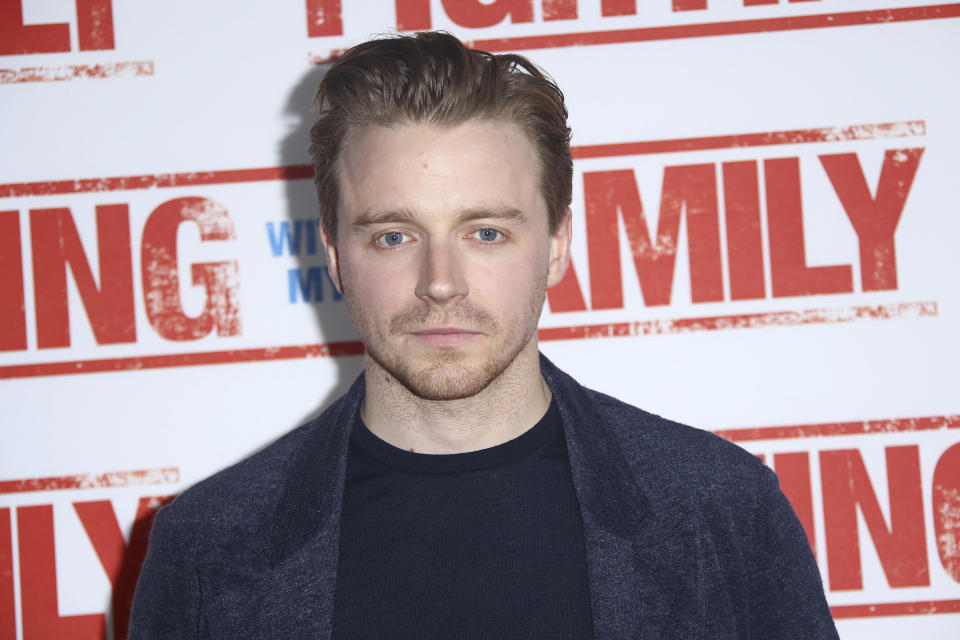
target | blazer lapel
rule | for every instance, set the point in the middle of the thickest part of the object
(646, 558)
(288, 590)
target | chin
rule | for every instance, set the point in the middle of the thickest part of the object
(446, 375)
(447, 384)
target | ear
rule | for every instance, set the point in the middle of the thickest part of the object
(560, 250)
(333, 258)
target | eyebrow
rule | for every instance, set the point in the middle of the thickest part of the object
(508, 214)
(370, 218)
(405, 216)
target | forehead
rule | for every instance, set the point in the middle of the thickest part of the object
(432, 170)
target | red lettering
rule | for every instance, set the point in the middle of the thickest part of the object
(413, 15)
(789, 272)
(753, 3)
(946, 510)
(324, 18)
(874, 219)
(685, 188)
(618, 8)
(793, 469)
(56, 244)
(38, 582)
(559, 9)
(120, 561)
(692, 5)
(94, 24)
(606, 193)
(475, 14)
(741, 199)
(901, 547)
(693, 188)
(17, 38)
(103, 530)
(566, 295)
(161, 282)
(100, 523)
(8, 606)
(94, 29)
(13, 322)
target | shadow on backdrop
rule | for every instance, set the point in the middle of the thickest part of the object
(330, 314)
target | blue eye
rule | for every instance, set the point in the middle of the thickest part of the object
(391, 239)
(488, 235)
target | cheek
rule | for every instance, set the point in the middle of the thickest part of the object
(511, 281)
(370, 275)
(369, 289)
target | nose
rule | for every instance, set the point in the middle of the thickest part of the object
(441, 275)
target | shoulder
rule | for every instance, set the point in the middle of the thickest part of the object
(231, 506)
(247, 486)
(669, 460)
(675, 460)
(677, 451)
(709, 495)
(230, 523)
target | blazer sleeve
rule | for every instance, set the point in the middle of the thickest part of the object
(788, 600)
(166, 603)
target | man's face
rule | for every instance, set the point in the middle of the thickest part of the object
(443, 251)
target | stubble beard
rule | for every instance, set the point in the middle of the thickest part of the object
(449, 375)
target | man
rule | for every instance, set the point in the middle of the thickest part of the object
(465, 487)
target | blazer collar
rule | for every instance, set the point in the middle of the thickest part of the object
(610, 498)
(309, 504)
(634, 541)
(290, 594)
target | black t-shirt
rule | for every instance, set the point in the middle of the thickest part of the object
(486, 544)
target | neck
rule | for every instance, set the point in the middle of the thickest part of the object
(512, 403)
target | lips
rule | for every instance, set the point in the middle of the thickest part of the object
(446, 337)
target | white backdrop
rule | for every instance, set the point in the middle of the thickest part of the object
(765, 227)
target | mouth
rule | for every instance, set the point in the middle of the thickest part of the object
(446, 337)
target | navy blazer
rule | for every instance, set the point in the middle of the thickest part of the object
(687, 535)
